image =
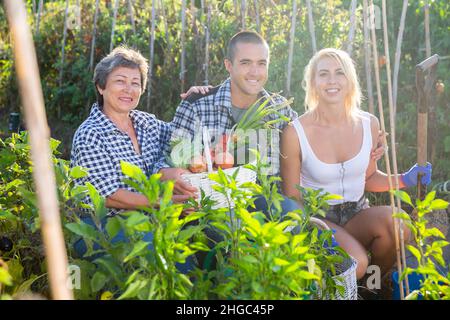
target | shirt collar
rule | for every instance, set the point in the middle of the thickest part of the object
(101, 120)
(223, 95)
(104, 123)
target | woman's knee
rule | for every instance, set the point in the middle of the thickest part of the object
(362, 264)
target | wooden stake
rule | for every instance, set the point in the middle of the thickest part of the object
(386, 156)
(113, 27)
(367, 57)
(257, 17)
(351, 33)
(311, 26)
(243, 14)
(427, 29)
(183, 29)
(130, 12)
(94, 34)
(432, 135)
(398, 53)
(166, 28)
(39, 133)
(206, 64)
(392, 135)
(291, 48)
(38, 19)
(152, 50)
(63, 47)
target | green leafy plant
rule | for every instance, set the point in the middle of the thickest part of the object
(258, 257)
(428, 253)
(19, 218)
(139, 268)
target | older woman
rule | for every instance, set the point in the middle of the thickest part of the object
(115, 131)
(329, 148)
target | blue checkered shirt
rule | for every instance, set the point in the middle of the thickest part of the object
(99, 146)
(213, 111)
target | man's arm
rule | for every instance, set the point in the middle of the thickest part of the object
(185, 121)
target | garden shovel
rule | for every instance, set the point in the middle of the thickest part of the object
(425, 84)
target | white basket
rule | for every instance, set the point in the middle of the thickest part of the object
(347, 279)
(202, 182)
(346, 270)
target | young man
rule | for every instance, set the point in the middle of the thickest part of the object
(247, 63)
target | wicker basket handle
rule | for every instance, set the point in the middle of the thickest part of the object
(206, 143)
(322, 225)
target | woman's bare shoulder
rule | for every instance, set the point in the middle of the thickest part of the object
(305, 119)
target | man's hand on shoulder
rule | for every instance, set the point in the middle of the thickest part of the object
(195, 89)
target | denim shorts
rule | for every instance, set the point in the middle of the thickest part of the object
(340, 214)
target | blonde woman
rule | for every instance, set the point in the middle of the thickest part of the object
(329, 148)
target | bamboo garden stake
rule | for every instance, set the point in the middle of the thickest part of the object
(166, 27)
(311, 26)
(431, 105)
(386, 156)
(130, 12)
(206, 64)
(291, 48)
(113, 27)
(367, 57)
(398, 53)
(39, 12)
(63, 47)
(257, 17)
(183, 29)
(351, 33)
(39, 134)
(427, 29)
(152, 52)
(392, 135)
(243, 14)
(94, 33)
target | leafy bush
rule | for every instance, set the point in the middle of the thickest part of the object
(19, 219)
(435, 284)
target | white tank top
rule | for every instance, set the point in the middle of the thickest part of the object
(346, 179)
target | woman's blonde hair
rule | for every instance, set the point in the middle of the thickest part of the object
(352, 100)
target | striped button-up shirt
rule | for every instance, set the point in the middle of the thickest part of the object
(99, 146)
(213, 111)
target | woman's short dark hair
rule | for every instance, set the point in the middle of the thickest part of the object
(120, 57)
(245, 36)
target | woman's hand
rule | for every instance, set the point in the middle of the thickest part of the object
(410, 177)
(195, 89)
(378, 152)
(181, 187)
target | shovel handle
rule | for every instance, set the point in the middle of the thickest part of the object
(428, 63)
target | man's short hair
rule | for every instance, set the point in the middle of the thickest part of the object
(245, 36)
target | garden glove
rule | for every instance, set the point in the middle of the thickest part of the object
(409, 178)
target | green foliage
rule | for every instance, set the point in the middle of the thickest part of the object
(19, 219)
(139, 269)
(258, 257)
(426, 250)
